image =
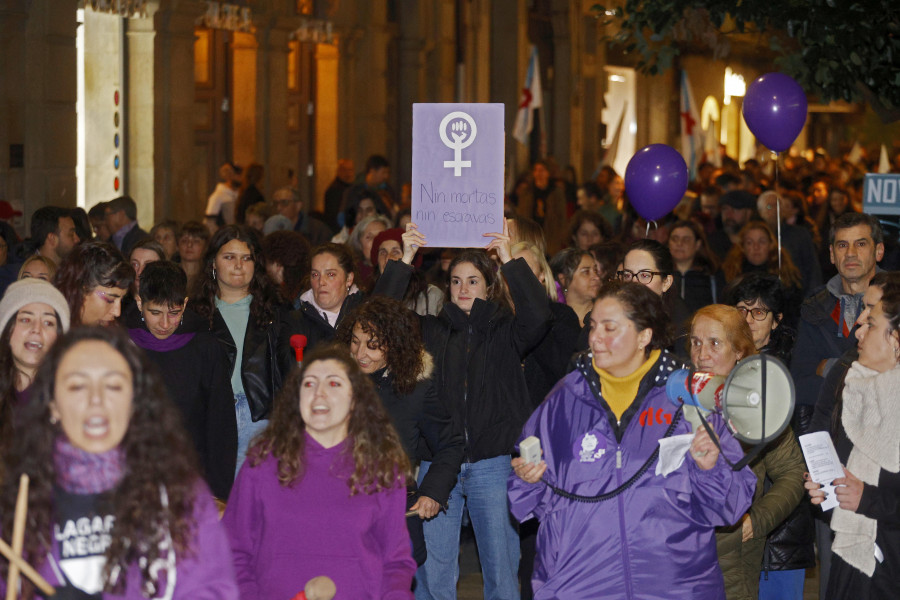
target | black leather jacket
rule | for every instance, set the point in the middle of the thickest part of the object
(263, 368)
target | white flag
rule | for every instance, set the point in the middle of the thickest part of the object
(691, 134)
(531, 99)
(884, 163)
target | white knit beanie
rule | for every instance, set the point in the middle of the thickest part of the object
(29, 290)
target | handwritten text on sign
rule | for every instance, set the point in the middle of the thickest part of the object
(457, 173)
(881, 194)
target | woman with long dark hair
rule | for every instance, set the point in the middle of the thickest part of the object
(384, 340)
(237, 299)
(650, 263)
(116, 508)
(478, 345)
(287, 263)
(866, 543)
(324, 491)
(32, 314)
(94, 277)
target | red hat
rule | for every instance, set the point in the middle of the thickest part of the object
(7, 211)
(395, 234)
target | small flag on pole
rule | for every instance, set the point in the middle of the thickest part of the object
(691, 134)
(884, 163)
(531, 99)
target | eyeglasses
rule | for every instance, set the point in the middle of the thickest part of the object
(758, 314)
(643, 277)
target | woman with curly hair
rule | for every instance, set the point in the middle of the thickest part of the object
(94, 277)
(384, 340)
(757, 252)
(236, 297)
(108, 461)
(324, 492)
(287, 263)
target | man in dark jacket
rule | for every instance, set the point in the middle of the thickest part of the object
(121, 220)
(827, 317)
(827, 323)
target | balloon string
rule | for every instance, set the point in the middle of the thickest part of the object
(778, 215)
(647, 231)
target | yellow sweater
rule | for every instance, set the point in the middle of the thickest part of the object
(619, 392)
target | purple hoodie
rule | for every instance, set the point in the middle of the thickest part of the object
(206, 574)
(656, 539)
(282, 537)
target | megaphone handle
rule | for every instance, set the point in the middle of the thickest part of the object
(715, 439)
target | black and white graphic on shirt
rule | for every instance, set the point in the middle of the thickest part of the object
(82, 543)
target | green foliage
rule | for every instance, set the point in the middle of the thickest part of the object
(836, 49)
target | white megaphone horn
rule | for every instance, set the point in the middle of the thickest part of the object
(756, 399)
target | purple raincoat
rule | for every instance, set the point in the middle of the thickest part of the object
(654, 540)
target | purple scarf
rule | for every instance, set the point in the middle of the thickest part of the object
(148, 341)
(82, 472)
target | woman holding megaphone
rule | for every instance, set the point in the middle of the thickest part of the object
(720, 337)
(610, 524)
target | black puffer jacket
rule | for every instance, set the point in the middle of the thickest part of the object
(479, 358)
(427, 432)
(791, 545)
(426, 429)
(309, 322)
(263, 365)
(548, 362)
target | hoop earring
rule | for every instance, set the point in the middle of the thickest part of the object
(214, 273)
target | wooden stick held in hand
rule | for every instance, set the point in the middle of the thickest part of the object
(14, 554)
(18, 536)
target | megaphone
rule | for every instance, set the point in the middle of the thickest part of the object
(756, 399)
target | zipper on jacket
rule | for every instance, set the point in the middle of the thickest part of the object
(466, 393)
(622, 538)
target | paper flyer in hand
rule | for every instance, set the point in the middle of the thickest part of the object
(823, 464)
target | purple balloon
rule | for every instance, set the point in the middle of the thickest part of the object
(775, 110)
(656, 178)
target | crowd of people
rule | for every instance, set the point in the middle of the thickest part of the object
(235, 406)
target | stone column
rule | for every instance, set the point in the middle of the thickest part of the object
(38, 90)
(175, 191)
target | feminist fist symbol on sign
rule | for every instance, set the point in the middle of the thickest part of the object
(460, 123)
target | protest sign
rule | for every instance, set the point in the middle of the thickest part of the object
(457, 173)
(881, 194)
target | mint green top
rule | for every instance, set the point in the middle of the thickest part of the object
(236, 316)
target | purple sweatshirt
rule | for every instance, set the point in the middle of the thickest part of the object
(655, 540)
(204, 575)
(282, 537)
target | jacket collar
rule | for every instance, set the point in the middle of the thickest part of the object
(482, 313)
